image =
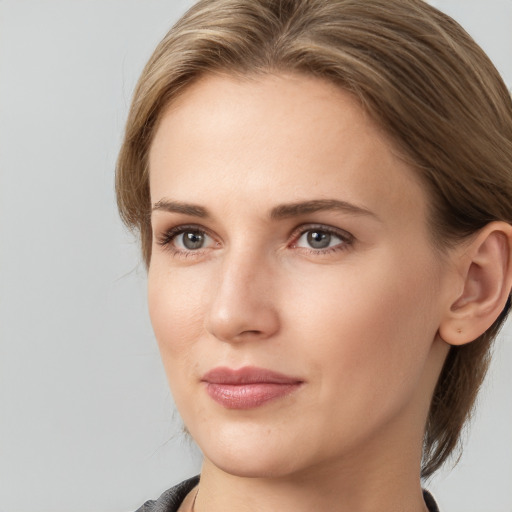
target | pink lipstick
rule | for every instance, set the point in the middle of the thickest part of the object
(247, 387)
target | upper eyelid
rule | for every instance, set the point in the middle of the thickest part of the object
(165, 236)
(179, 228)
(304, 228)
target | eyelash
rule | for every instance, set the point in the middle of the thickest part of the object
(167, 238)
(346, 238)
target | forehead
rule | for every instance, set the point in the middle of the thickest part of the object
(277, 135)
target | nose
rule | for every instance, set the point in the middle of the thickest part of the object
(242, 306)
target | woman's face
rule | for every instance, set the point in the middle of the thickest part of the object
(293, 287)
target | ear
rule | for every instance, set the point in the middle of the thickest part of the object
(485, 267)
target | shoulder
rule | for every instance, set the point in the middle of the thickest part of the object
(171, 499)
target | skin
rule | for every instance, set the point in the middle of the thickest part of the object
(356, 322)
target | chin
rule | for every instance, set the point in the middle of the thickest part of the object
(251, 454)
(247, 467)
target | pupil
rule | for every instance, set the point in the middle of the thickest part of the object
(193, 240)
(318, 239)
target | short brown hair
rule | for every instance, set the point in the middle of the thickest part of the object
(416, 72)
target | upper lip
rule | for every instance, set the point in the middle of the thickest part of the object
(247, 375)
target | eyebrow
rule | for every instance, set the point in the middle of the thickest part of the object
(282, 211)
(178, 207)
(317, 205)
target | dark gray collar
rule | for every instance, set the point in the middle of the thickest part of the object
(171, 499)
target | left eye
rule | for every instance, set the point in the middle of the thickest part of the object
(318, 239)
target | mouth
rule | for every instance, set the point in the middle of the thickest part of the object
(248, 387)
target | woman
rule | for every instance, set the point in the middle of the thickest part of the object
(323, 193)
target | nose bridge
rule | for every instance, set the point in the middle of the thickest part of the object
(242, 304)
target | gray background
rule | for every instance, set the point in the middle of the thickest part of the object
(87, 422)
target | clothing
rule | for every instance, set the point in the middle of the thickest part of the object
(171, 499)
(430, 502)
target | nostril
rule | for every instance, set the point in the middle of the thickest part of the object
(244, 324)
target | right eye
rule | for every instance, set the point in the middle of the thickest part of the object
(184, 239)
(191, 240)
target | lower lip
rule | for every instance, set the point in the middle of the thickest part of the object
(248, 396)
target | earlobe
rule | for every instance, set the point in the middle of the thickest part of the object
(486, 269)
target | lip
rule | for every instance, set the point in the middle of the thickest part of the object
(247, 387)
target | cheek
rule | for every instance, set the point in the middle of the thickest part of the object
(176, 312)
(369, 328)
(177, 319)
